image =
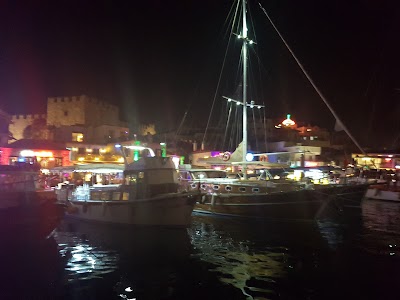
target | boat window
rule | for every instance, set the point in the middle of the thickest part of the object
(256, 190)
(193, 185)
(242, 189)
(215, 187)
(130, 179)
(203, 186)
(228, 188)
(208, 174)
(233, 176)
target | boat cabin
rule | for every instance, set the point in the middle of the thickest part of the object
(151, 176)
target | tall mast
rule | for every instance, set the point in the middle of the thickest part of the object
(244, 52)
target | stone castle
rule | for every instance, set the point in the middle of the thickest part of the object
(79, 113)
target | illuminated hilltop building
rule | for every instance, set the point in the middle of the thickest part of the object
(84, 125)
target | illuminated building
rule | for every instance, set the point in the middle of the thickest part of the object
(83, 125)
(46, 154)
(78, 119)
(377, 160)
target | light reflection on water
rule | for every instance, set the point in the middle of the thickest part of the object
(271, 260)
(235, 262)
(84, 262)
(126, 262)
(255, 257)
(216, 258)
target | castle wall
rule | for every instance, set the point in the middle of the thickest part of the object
(20, 122)
(80, 110)
(66, 111)
(89, 114)
(101, 113)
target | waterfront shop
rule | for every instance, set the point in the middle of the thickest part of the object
(90, 174)
(45, 154)
(377, 160)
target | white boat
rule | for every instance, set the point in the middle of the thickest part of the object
(148, 196)
(266, 198)
(24, 207)
(383, 192)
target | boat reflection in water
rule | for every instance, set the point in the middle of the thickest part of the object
(251, 256)
(216, 258)
(303, 260)
(136, 261)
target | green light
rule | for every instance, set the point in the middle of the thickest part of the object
(136, 152)
(163, 149)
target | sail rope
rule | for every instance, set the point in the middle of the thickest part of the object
(229, 107)
(265, 129)
(220, 74)
(312, 82)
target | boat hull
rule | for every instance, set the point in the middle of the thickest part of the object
(307, 204)
(345, 195)
(383, 194)
(288, 205)
(173, 210)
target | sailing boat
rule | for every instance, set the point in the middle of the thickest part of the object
(263, 197)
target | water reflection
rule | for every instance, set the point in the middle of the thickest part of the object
(381, 234)
(275, 260)
(83, 261)
(255, 257)
(381, 216)
(216, 258)
(123, 262)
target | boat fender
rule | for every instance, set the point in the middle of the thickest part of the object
(213, 199)
(377, 192)
(226, 156)
(203, 199)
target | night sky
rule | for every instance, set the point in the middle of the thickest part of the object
(157, 59)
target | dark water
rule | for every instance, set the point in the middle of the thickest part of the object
(216, 258)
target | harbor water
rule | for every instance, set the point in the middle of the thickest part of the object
(216, 258)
